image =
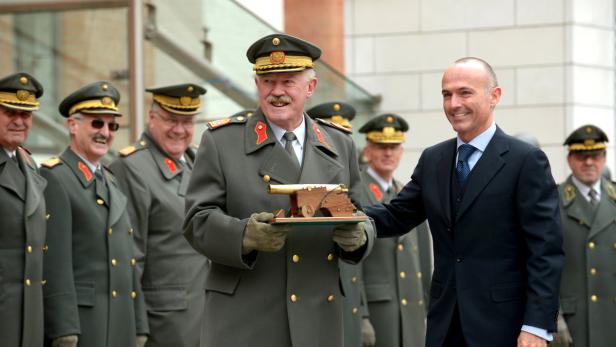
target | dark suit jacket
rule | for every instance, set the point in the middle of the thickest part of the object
(500, 257)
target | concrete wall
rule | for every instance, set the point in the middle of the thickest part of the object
(554, 60)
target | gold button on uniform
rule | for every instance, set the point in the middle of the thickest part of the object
(293, 298)
(593, 271)
(403, 302)
(400, 247)
(420, 303)
(355, 310)
(614, 245)
(43, 282)
(330, 257)
(402, 274)
(133, 295)
(295, 258)
(114, 262)
(110, 232)
(130, 231)
(100, 201)
(114, 294)
(591, 245)
(29, 249)
(266, 178)
(47, 216)
(28, 282)
(354, 279)
(594, 298)
(133, 262)
(330, 298)
(419, 274)
(45, 248)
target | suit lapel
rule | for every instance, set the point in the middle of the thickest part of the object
(486, 168)
(11, 177)
(117, 201)
(606, 211)
(444, 172)
(319, 155)
(35, 185)
(78, 166)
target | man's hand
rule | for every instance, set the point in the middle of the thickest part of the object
(141, 340)
(65, 341)
(529, 340)
(368, 336)
(350, 236)
(261, 236)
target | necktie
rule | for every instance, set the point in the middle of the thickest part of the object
(101, 187)
(288, 146)
(593, 197)
(14, 158)
(462, 167)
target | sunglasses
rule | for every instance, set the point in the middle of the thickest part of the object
(99, 124)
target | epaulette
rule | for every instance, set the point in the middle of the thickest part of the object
(126, 151)
(569, 194)
(334, 125)
(609, 187)
(51, 162)
(219, 123)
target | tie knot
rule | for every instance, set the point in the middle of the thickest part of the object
(289, 136)
(593, 195)
(99, 173)
(465, 151)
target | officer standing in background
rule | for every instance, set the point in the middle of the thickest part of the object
(397, 272)
(270, 284)
(22, 217)
(92, 296)
(354, 300)
(588, 208)
(154, 175)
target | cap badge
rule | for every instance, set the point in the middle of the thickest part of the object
(261, 131)
(171, 165)
(275, 41)
(588, 130)
(86, 172)
(589, 142)
(190, 89)
(336, 107)
(378, 195)
(107, 101)
(104, 87)
(23, 95)
(23, 80)
(390, 119)
(185, 100)
(277, 57)
(240, 118)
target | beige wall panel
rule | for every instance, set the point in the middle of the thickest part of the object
(545, 123)
(384, 16)
(456, 15)
(363, 55)
(540, 85)
(593, 12)
(400, 92)
(590, 86)
(532, 12)
(506, 80)
(427, 129)
(591, 46)
(521, 46)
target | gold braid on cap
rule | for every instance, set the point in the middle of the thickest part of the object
(183, 103)
(341, 121)
(22, 99)
(587, 147)
(287, 63)
(387, 135)
(105, 103)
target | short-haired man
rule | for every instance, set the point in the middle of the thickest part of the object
(588, 207)
(22, 217)
(271, 284)
(154, 174)
(396, 274)
(92, 296)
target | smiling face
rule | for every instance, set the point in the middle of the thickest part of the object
(86, 140)
(383, 157)
(14, 127)
(469, 98)
(172, 132)
(282, 96)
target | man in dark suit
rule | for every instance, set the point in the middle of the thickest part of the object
(22, 217)
(492, 205)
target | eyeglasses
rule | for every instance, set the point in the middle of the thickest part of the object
(99, 124)
(186, 122)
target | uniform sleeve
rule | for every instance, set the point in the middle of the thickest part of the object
(538, 206)
(207, 226)
(60, 299)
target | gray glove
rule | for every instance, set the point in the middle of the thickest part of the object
(65, 341)
(141, 340)
(562, 337)
(261, 236)
(350, 236)
(368, 336)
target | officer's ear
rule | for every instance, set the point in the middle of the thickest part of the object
(71, 124)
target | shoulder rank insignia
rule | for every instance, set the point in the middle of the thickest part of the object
(126, 151)
(51, 162)
(219, 123)
(569, 193)
(334, 125)
(609, 187)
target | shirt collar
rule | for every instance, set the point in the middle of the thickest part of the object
(300, 132)
(480, 141)
(91, 166)
(9, 153)
(384, 184)
(584, 189)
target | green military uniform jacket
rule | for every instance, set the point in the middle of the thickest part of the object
(354, 305)
(394, 278)
(22, 241)
(172, 272)
(92, 284)
(275, 299)
(588, 286)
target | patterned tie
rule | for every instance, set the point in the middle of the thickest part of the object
(288, 146)
(462, 168)
(593, 197)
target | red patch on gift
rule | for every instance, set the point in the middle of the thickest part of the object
(86, 172)
(378, 195)
(261, 130)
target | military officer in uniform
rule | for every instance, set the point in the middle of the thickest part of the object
(22, 217)
(154, 175)
(270, 284)
(92, 296)
(354, 300)
(397, 272)
(588, 208)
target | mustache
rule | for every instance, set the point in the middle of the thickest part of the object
(100, 137)
(14, 127)
(283, 99)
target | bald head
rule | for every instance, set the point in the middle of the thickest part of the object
(490, 75)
